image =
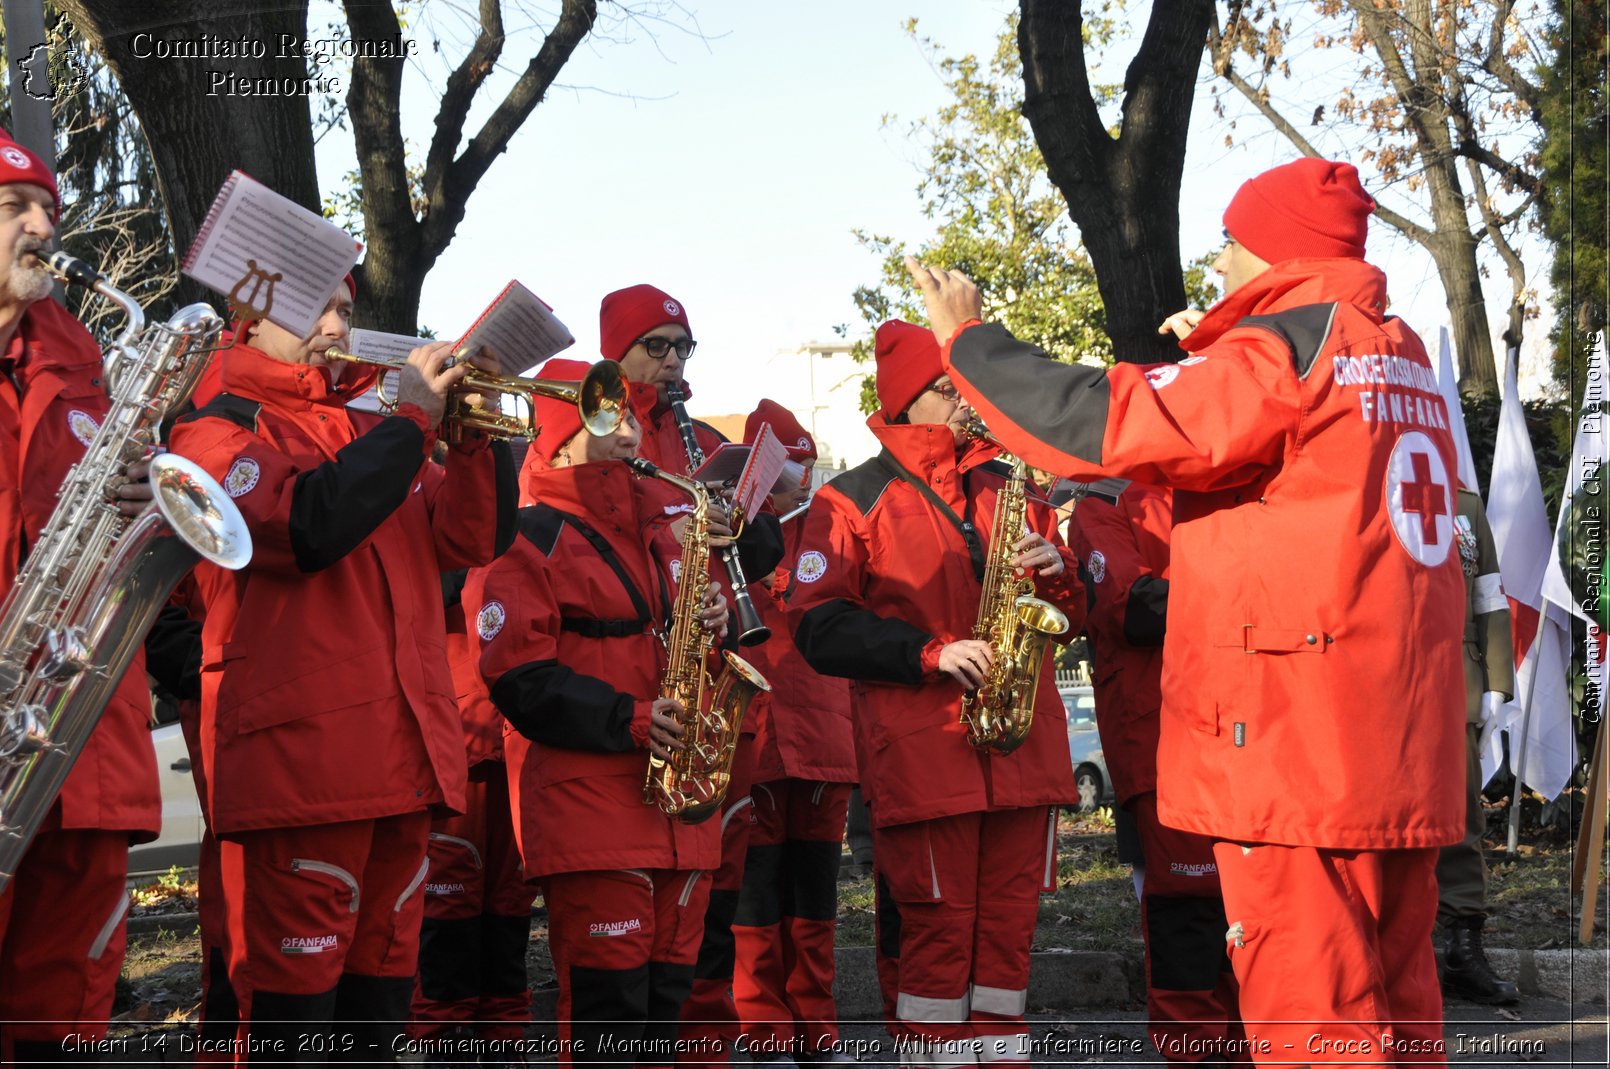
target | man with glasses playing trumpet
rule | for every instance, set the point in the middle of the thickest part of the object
(329, 729)
(647, 330)
(887, 591)
(571, 627)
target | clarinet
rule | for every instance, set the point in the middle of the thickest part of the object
(752, 631)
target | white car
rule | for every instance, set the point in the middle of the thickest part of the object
(1084, 746)
(180, 841)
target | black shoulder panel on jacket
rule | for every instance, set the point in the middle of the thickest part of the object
(863, 484)
(1304, 329)
(1108, 490)
(540, 525)
(237, 410)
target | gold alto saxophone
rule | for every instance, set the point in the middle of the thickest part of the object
(95, 579)
(1016, 624)
(693, 783)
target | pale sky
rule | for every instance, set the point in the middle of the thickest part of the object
(729, 170)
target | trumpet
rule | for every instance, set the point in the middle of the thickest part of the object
(600, 396)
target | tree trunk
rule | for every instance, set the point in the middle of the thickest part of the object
(1124, 192)
(199, 115)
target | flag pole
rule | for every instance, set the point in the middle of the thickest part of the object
(1518, 763)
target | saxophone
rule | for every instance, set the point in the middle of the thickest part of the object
(95, 579)
(693, 783)
(1016, 624)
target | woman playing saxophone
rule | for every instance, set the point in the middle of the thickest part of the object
(571, 626)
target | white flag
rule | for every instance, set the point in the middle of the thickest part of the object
(1448, 384)
(1539, 719)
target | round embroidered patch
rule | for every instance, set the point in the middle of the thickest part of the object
(672, 308)
(811, 567)
(1096, 566)
(83, 425)
(242, 476)
(1162, 375)
(16, 157)
(489, 621)
(1420, 499)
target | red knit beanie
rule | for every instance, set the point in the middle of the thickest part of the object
(1307, 208)
(559, 420)
(908, 362)
(17, 164)
(795, 438)
(626, 315)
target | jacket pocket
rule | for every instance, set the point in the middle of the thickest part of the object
(258, 692)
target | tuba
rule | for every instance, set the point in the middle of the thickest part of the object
(600, 396)
(1016, 624)
(95, 579)
(693, 783)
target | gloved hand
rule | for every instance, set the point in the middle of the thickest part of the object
(1491, 702)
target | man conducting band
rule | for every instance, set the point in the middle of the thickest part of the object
(1315, 609)
(329, 729)
(886, 592)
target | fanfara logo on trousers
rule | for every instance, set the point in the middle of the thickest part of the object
(307, 944)
(489, 621)
(1420, 499)
(672, 308)
(610, 929)
(83, 425)
(1096, 566)
(811, 567)
(444, 888)
(242, 476)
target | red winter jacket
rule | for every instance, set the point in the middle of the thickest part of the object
(1311, 680)
(883, 582)
(50, 407)
(1123, 545)
(808, 733)
(574, 667)
(326, 691)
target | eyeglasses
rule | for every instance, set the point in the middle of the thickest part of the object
(946, 390)
(657, 348)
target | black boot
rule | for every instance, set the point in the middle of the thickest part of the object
(1466, 973)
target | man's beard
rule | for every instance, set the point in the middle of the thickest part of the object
(29, 280)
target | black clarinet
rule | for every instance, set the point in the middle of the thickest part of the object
(752, 631)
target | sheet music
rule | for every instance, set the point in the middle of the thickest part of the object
(253, 233)
(766, 459)
(378, 345)
(520, 329)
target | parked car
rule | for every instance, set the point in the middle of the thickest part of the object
(1084, 746)
(180, 841)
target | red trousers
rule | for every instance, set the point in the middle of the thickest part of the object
(62, 937)
(1333, 952)
(783, 934)
(709, 1017)
(472, 945)
(323, 926)
(958, 898)
(1190, 990)
(623, 944)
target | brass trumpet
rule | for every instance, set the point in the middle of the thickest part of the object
(600, 396)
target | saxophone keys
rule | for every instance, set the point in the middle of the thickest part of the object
(25, 732)
(66, 654)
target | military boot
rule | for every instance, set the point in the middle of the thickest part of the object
(1466, 972)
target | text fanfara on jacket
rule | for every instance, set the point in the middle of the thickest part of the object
(1311, 679)
(883, 580)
